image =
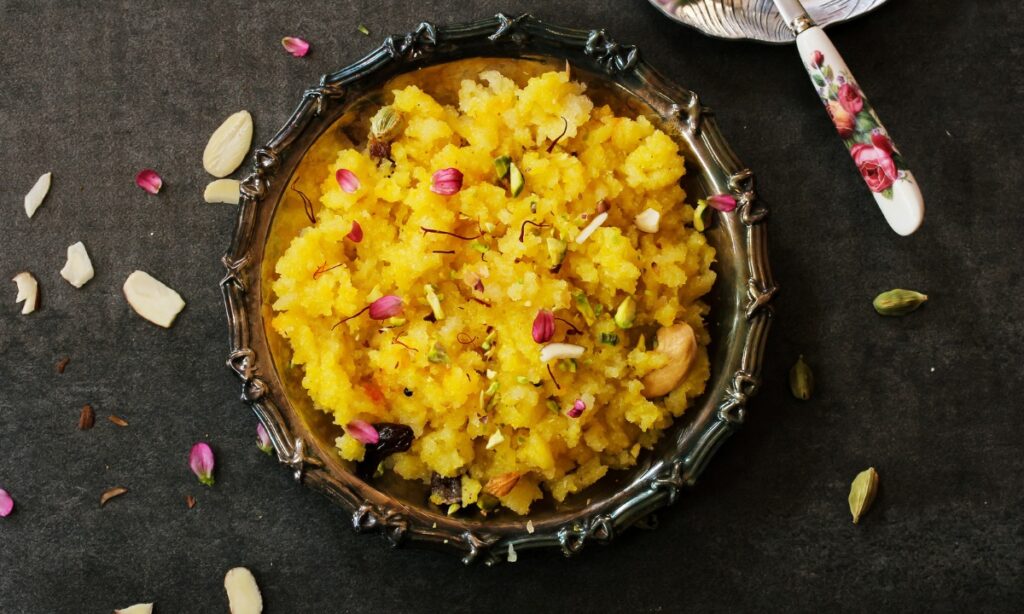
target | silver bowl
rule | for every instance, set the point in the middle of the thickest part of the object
(271, 213)
(757, 19)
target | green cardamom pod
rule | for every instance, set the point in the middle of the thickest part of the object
(862, 492)
(801, 379)
(898, 302)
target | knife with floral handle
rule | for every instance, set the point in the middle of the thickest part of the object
(876, 156)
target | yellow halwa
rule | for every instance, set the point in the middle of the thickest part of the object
(471, 384)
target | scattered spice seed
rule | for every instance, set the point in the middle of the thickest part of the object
(480, 300)
(450, 234)
(363, 30)
(110, 493)
(522, 228)
(87, 418)
(306, 203)
(62, 364)
(190, 501)
(118, 420)
(407, 392)
(565, 129)
(443, 251)
(323, 268)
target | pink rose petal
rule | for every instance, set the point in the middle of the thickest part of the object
(362, 432)
(385, 307)
(723, 202)
(356, 234)
(543, 326)
(295, 46)
(347, 180)
(263, 439)
(6, 504)
(446, 181)
(577, 409)
(148, 180)
(200, 460)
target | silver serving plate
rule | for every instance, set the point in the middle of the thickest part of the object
(271, 213)
(757, 19)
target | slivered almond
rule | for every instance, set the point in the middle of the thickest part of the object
(138, 608)
(228, 145)
(118, 420)
(28, 291)
(223, 191)
(78, 269)
(35, 196)
(110, 493)
(503, 484)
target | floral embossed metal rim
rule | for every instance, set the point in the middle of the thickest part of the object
(741, 316)
(757, 19)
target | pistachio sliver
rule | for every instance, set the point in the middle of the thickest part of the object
(501, 166)
(625, 314)
(434, 301)
(515, 179)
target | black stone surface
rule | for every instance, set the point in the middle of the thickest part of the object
(94, 91)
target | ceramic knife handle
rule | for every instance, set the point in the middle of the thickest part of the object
(879, 161)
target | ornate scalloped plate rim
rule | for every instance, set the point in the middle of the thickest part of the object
(660, 484)
(667, 12)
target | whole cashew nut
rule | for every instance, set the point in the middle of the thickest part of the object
(680, 345)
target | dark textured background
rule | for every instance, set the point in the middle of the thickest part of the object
(96, 90)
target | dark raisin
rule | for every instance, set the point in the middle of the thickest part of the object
(394, 438)
(446, 490)
(380, 150)
(407, 392)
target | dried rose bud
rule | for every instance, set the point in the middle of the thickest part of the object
(363, 432)
(6, 504)
(385, 307)
(347, 180)
(200, 460)
(577, 409)
(263, 439)
(148, 180)
(543, 326)
(446, 181)
(723, 202)
(356, 234)
(295, 46)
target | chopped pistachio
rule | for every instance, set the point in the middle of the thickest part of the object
(501, 166)
(492, 389)
(480, 247)
(556, 252)
(492, 402)
(515, 179)
(625, 315)
(363, 30)
(437, 355)
(567, 364)
(609, 338)
(488, 227)
(553, 406)
(394, 322)
(434, 301)
(522, 379)
(583, 306)
(489, 340)
(454, 507)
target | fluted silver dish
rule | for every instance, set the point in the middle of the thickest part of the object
(757, 19)
(270, 214)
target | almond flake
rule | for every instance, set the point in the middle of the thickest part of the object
(243, 593)
(78, 269)
(110, 493)
(228, 145)
(138, 608)
(223, 191)
(118, 420)
(35, 196)
(648, 221)
(28, 291)
(557, 351)
(151, 299)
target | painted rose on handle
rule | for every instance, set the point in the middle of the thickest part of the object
(876, 166)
